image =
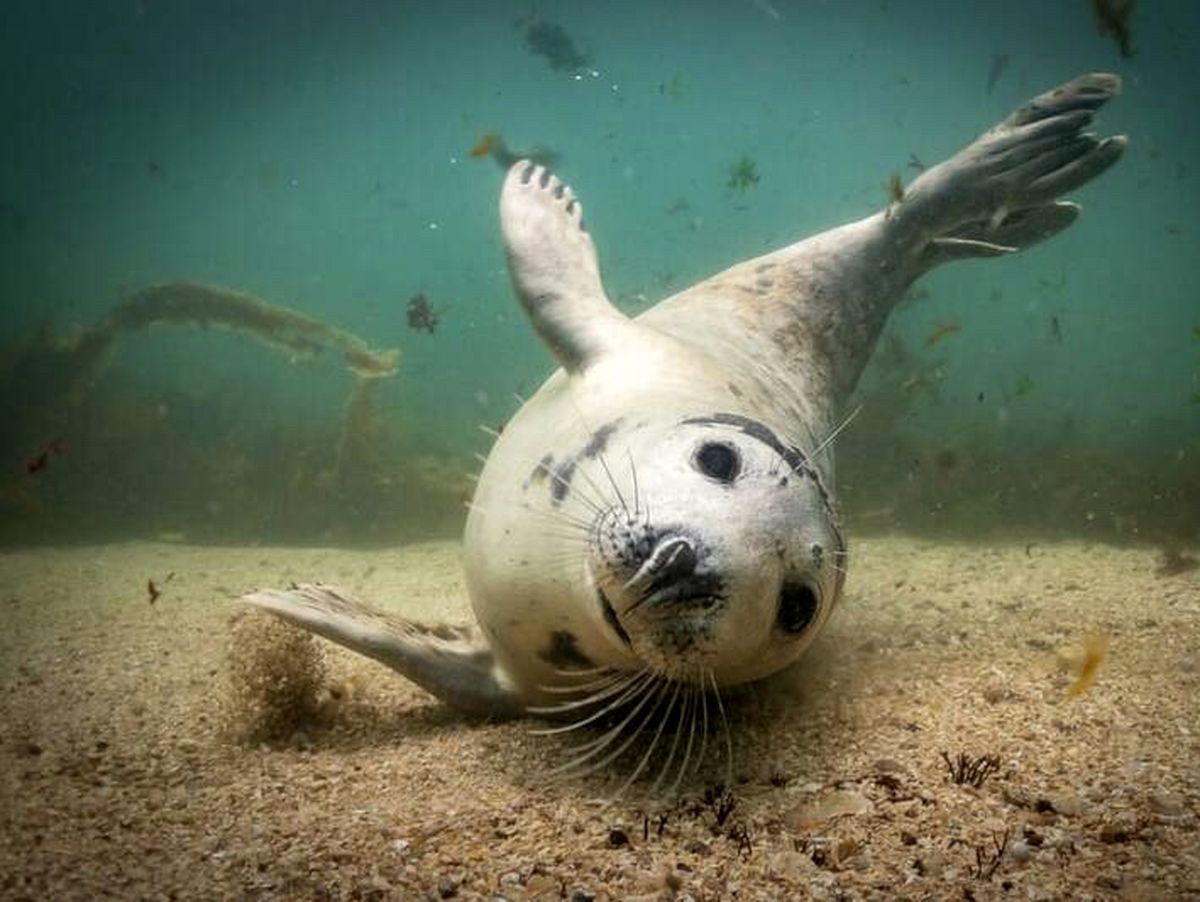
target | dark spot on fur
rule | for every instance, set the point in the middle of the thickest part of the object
(599, 439)
(540, 472)
(764, 267)
(561, 486)
(563, 652)
(764, 283)
(734, 390)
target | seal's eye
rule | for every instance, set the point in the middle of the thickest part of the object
(797, 607)
(718, 461)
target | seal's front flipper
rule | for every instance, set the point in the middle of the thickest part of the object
(453, 663)
(999, 194)
(554, 267)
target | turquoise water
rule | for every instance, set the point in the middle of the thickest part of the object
(317, 156)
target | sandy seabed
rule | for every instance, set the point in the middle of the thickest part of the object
(117, 778)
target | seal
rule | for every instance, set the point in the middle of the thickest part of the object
(658, 521)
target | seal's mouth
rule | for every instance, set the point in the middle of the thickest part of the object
(611, 618)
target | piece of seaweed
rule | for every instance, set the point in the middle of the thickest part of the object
(743, 174)
(551, 41)
(196, 304)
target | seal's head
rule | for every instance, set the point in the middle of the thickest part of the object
(721, 557)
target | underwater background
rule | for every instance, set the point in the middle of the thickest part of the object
(338, 160)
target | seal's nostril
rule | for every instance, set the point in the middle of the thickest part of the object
(678, 558)
(671, 560)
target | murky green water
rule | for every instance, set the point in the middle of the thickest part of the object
(318, 156)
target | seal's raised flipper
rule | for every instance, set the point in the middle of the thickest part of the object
(453, 663)
(554, 268)
(999, 194)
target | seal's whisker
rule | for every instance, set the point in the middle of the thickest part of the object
(565, 536)
(678, 731)
(604, 676)
(632, 687)
(633, 473)
(596, 488)
(560, 516)
(575, 521)
(598, 691)
(560, 510)
(835, 432)
(612, 481)
(650, 690)
(656, 694)
(573, 531)
(594, 506)
(488, 430)
(703, 690)
(687, 749)
(724, 730)
(662, 722)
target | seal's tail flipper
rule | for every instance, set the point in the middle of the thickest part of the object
(1000, 194)
(453, 663)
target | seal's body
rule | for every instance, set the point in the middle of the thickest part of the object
(661, 513)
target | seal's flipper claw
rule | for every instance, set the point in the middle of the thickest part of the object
(452, 663)
(554, 267)
(1078, 172)
(1087, 92)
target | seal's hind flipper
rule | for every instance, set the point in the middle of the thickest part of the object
(999, 194)
(453, 663)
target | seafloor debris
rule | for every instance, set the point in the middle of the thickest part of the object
(276, 676)
(969, 771)
(1173, 560)
(1085, 662)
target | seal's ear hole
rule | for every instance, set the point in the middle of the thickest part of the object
(797, 607)
(718, 460)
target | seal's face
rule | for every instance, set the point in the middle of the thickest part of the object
(719, 557)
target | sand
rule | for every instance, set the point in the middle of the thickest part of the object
(118, 778)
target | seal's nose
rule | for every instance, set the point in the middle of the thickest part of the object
(672, 564)
(672, 559)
